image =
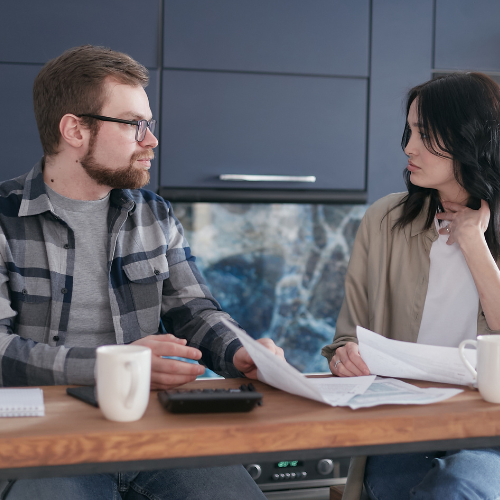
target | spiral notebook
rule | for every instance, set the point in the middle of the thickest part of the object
(21, 403)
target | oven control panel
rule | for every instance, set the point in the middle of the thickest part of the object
(286, 471)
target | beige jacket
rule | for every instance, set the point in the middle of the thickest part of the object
(387, 277)
(385, 289)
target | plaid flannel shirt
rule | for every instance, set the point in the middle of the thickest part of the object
(152, 274)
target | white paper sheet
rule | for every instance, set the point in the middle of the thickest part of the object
(339, 391)
(396, 392)
(280, 374)
(392, 358)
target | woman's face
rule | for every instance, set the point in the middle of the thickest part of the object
(427, 169)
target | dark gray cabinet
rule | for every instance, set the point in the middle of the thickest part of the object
(401, 58)
(237, 123)
(467, 35)
(285, 36)
(271, 87)
(21, 147)
(34, 32)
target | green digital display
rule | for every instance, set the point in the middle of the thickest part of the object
(288, 463)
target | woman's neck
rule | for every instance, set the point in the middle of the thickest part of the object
(456, 195)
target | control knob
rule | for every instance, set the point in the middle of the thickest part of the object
(325, 466)
(254, 470)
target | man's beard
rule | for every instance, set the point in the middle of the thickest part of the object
(128, 177)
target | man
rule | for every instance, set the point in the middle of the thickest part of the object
(87, 258)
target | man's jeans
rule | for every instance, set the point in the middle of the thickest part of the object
(452, 475)
(217, 483)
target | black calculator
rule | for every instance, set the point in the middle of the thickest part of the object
(210, 400)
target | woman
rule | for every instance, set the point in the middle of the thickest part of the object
(424, 267)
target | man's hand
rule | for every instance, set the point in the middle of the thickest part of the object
(244, 363)
(170, 373)
(347, 362)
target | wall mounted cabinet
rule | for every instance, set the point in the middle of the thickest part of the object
(262, 87)
(467, 35)
(329, 37)
(238, 123)
(34, 32)
(21, 147)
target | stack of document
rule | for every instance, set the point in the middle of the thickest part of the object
(392, 358)
(355, 392)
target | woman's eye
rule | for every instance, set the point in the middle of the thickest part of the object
(422, 135)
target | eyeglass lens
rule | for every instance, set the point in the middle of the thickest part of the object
(142, 126)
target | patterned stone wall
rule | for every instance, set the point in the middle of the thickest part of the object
(277, 269)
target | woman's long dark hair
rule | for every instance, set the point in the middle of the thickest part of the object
(459, 117)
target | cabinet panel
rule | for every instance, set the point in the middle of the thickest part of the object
(467, 35)
(291, 36)
(18, 130)
(231, 123)
(35, 32)
(21, 143)
(401, 59)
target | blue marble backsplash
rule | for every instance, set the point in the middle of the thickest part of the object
(277, 269)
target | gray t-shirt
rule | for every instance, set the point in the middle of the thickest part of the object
(90, 319)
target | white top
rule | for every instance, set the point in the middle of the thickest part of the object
(452, 302)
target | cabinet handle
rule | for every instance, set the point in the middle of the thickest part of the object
(267, 178)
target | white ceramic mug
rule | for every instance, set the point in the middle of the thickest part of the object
(488, 365)
(123, 378)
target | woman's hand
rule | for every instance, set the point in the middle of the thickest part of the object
(467, 228)
(466, 225)
(347, 362)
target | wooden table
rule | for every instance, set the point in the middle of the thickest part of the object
(75, 438)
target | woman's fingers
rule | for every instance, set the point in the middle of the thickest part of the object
(465, 225)
(347, 362)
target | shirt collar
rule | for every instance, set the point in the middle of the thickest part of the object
(36, 201)
(418, 224)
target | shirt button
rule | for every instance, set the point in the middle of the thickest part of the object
(66, 246)
(64, 290)
(55, 337)
(24, 291)
(157, 272)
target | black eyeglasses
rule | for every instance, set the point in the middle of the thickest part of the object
(140, 131)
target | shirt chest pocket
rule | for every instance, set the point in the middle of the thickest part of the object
(30, 288)
(146, 283)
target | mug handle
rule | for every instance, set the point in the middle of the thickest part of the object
(464, 359)
(132, 366)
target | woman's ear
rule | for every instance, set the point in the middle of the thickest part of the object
(73, 132)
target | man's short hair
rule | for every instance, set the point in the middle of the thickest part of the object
(74, 83)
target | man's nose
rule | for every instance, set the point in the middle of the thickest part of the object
(149, 141)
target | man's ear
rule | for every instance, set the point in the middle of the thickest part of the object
(73, 132)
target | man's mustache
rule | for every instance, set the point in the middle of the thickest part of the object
(149, 155)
